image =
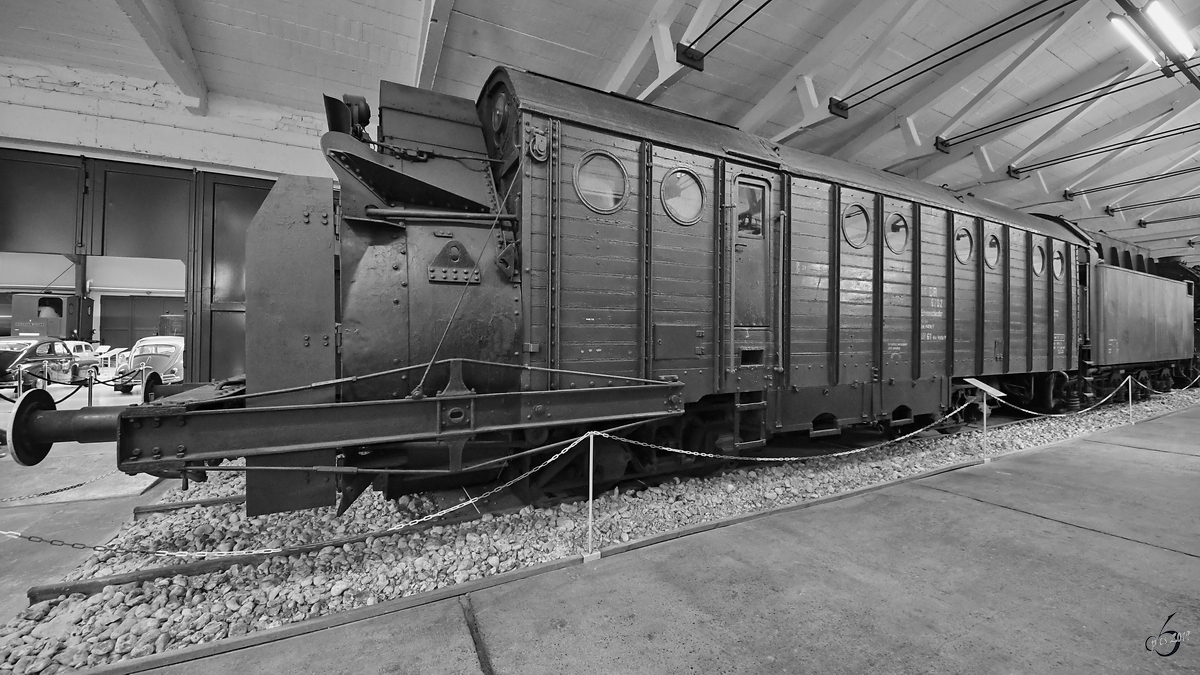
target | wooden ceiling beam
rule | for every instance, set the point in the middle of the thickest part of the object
(1170, 105)
(669, 70)
(1149, 235)
(1061, 22)
(1089, 205)
(433, 38)
(157, 22)
(799, 80)
(1112, 72)
(965, 67)
(620, 81)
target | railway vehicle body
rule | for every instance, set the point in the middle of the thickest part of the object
(499, 276)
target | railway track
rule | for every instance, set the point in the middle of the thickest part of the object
(501, 505)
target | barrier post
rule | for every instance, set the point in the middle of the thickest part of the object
(985, 416)
(20, 381)
(90, 381)
(591, 484)
(1129, 381)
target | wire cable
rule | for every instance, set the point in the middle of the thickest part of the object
(1162, 135)
(1058, 106)
(719, 20)
(1172, 200)
(1136, 181)
(735, 28)
(952, 46)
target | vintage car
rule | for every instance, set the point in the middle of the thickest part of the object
(37, 359)
(87, 363)
(160, 355)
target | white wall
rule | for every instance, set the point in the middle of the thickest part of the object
(108, 275)
(63, 109)
(36, 272)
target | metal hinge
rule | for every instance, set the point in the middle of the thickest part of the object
(532, 347)
(337, 336)
(87, 181)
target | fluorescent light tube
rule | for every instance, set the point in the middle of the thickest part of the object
(1132, 36)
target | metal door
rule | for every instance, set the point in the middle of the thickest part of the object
(752, 221)
(217, 285)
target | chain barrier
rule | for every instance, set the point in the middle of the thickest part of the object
(204, 555)
(474, 500)
(1148, 388)
(5, 398)
(843, 453)
(62, 489)
(69, 395)
(127, 378)
(1070, 414)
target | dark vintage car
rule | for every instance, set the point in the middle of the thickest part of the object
(35, 360)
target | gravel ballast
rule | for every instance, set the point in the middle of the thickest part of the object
(136, 620)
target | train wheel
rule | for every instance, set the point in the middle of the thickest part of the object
(1163, 381)
(1142, 392)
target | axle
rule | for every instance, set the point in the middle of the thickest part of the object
(36, 425)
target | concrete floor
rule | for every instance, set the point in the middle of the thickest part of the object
(1059, 560)
(90, 514)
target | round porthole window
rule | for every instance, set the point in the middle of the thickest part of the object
(1060, 264)
(895, 233)
(964, 245)
(499, 112)
(683, 196)
(991, 254)
(601, 182)
(1039, 260)
(856, 225)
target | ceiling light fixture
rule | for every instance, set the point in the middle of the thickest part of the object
(1166, 37)
(1170, 28)
(1131, 35)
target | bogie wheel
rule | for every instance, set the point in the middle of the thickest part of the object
(1142, 388)
(955, 423)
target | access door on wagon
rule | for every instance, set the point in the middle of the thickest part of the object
(754, 218)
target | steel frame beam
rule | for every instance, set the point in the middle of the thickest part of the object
(164, 437)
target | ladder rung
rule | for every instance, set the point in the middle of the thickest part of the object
(757, 405)
(899, 422)
(750, 445)
(817, 433)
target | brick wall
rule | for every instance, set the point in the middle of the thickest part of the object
(59, 108)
